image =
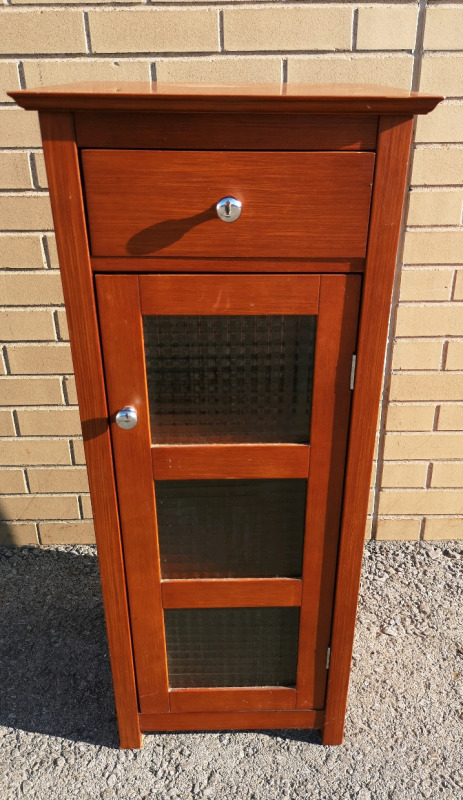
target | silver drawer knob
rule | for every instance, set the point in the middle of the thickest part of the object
(126, 418)
(228, 209)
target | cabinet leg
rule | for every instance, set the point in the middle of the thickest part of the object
(130, 740)
(333, 732)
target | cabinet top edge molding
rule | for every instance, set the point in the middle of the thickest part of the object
(290, 98)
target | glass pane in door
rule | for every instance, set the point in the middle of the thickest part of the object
(231, 528)
(231, 646)
(219, 379)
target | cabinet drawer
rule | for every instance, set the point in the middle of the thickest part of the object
(294, 205)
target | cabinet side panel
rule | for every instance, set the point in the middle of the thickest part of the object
(62, 164)
(390, 180)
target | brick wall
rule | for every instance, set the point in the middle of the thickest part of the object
(418, 476)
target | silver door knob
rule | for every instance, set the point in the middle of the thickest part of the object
(228, 209)
(127, 418)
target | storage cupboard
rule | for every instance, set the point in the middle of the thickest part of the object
(227, 257)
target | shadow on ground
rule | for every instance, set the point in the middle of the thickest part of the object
(54, 663)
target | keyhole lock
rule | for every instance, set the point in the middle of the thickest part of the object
(228, 209)
(127, 418)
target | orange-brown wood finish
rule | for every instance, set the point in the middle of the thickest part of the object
(241, 699)
(226, 131)
(391, 175)
(150, 181)
(120, 321)
(231, 593)
(222, 294)
(150, 202)
(61, 159)
(217, 461)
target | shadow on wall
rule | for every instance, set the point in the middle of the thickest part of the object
(54, 657)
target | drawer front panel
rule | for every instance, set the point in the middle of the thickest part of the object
(294, 205)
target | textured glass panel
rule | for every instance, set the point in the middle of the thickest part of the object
(229, 379)
(225, 529)
(232, 646)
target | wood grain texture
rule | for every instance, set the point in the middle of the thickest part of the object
(234, 461)
(231, 721)
(336, 341)
(231, 593)
(61, 159)
(226, 131)
(303, 205)
(229, 294)
(121, 332)
(218, 265)
(270, 698)
(390, 181)
(287, 98)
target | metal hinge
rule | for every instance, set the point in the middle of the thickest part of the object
(352, 371)
(328, 657)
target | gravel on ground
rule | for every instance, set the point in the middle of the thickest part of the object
(403, 738)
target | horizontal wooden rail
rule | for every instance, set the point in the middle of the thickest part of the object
(231, 721)
(163, 264)
(268, 698)
(234, 461)
(231, 592)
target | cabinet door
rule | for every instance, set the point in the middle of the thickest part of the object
(230, 484)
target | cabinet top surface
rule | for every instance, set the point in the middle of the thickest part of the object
(144, 96)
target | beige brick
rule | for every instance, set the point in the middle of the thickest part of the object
(443, 529)
(29, 289)
(454, 358)
(52, 251)
(12, 482)
(443, 29)
(60, 479)
(451, 416)
(70, 389)
(428, 386)
(32, 506)
(386, 28)
(368, 529)
(398, 529)
(9, 80)
(287, 28)
(79, 453)
(458, 291)
(433, 247)
(371, 501)
(26, 212)
(26, 325)
(445, 124)
(21, 252)
(87, 506)
(41, 172)
(2, 365)
(442, 74)
(437, 166)
(383, 70)
(19, 128)
(155, 30)
(49, 422)
(49, 72)
(18, 452)
(427, 501)
(62, 325)
(434, 319)
(67, 533)
(417, 354)
(219, 70)
(447, 474)
(6, 424)
(422, 446)
(403, 474)
(65, 2)
(410, 417)
(47, 359)
(12, 533)
(42, 32)
(435, 208)
(14, 171)
(426, 284)
(30, 391)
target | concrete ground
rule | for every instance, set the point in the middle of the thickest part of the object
(58, 736)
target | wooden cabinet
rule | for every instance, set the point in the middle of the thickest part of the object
(229, 453)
